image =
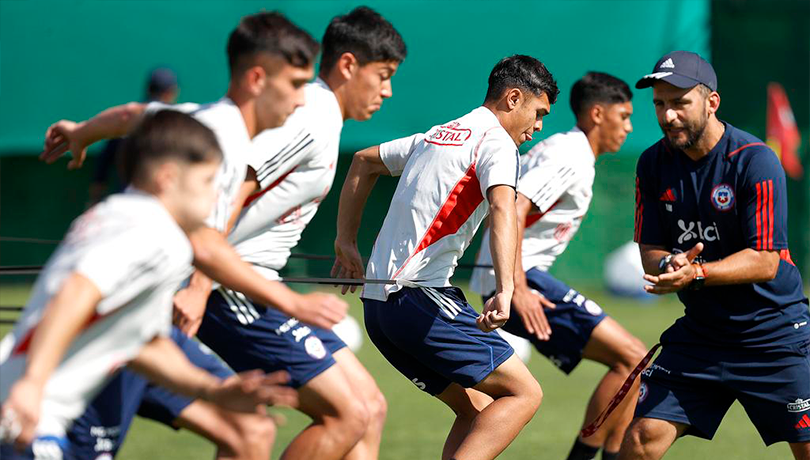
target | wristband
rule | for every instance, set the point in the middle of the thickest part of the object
(700, 277)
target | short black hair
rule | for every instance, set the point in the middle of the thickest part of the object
(598, 88)
(166, 135)
(272, 33)
(364, 33)
(523, 72)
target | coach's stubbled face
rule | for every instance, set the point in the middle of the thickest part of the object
(282, 92)
(682, 113)
(615, 125)
(368, 86)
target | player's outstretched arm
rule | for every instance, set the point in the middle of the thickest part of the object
(68, 136)
(217, 259)
(528, 304)
(503, 245)
(68, 311)
(367, 166)
(162, 362)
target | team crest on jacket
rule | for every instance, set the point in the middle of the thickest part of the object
(723, 197)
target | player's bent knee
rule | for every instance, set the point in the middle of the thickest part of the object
(353, 422)
(631, 355)
(535, 394)
(254, 430)
(377, 407)
(645, 439)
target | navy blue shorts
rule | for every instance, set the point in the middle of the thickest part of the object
(250, 336)
(572, 322)
(103, 426)
(696, 385)
(430, 336)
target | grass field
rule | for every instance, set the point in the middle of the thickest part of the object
(417, 424)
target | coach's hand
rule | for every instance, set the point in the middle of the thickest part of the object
(19, 415)
(496, 312)
(62, 137)
(529, 305)
(682, 273)
(244, 391)
(321, 310)
(189, 309)
(348, 263)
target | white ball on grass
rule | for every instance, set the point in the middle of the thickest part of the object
(349, 332)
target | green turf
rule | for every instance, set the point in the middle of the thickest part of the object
(417, 424)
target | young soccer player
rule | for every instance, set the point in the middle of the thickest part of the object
(554, 193)
(104, 298)
(270, 61)
(452, 176)
(295, 168)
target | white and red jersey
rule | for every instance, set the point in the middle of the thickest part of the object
(295, 166)
(440, 200)
(557, 176)
(225, 119)
(132, 250)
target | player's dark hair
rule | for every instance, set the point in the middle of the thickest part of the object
(598, 88)
(523, 72)
(271, 33)
(166, 135)
(364, 33)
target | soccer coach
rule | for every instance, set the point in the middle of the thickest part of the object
(711, 221)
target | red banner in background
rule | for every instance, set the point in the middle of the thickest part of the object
(782, 133)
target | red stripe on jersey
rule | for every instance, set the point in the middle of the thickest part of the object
(745, 147)
(25, 343)
(457, 208)
(770, 215)
(532, 218)
(784, 254)
(275, 183)
(759, 216)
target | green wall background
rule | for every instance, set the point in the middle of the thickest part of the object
(73, 58)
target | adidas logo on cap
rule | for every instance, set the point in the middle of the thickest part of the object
(668, 64)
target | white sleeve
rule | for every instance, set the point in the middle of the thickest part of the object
(497, 162)
(545, 182)
(277, 151)
(121, 262)
(395, 154)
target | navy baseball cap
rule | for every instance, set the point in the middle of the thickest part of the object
(161, 79)
(683, 69)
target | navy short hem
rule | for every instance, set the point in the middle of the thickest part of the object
(696, 385)
(496, 362)
(572, 321)
(249, 336)
(430, 336)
